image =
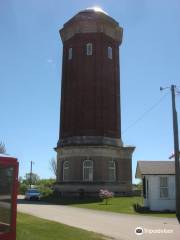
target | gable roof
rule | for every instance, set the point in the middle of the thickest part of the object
(154, 167)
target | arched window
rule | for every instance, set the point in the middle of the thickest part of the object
(112, 170)
(88, 170)
(89, 49)
(110, 52)
(66, 171)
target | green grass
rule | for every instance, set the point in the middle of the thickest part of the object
(33, 228)
(117, 204)
(122, 205)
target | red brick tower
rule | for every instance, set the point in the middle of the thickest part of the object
(90, 152)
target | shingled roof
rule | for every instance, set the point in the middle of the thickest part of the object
(154, 167)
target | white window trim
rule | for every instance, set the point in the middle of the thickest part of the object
(112, 168)
(109, 52)
(163, 187)
(70, 52)
(89, 49)
(65, 168)
(147, 188)
(92, 167)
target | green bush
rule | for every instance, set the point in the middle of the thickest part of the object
(23, 188)
(45, 186)
(45, 191)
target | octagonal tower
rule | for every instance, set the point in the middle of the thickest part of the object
(90, 152)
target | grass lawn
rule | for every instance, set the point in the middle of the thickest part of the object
(117, 204)
(33, 228)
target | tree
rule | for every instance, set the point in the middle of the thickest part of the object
(139, 186)
(2, 147)
(32, 178)
(45, 186)
(53, 166)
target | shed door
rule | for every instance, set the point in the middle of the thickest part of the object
(6, 185)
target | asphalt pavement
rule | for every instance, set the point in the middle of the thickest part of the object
(115, 225)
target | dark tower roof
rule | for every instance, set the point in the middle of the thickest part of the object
(91, 20)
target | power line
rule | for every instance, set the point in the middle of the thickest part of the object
(145, 113)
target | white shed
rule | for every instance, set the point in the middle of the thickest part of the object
(158, 179)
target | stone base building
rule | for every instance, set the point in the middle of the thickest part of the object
(91, 168)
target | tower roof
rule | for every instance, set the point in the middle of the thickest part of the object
(91, 20)
(96, 9)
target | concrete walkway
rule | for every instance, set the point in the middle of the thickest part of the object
(117, 226)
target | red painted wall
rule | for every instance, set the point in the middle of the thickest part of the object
(90, 95)
(11, 162)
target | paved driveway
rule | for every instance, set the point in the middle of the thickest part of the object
(118, 226)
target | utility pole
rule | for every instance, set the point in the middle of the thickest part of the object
(30, 179)
(176, 151)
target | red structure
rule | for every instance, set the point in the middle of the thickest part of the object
(90, 97)
(90, 151)
(8, 197)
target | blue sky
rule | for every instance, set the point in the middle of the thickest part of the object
(30, 75)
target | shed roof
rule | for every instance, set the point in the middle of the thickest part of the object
(6, 155)
(155, 168)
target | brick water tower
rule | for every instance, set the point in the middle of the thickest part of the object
(90, 152)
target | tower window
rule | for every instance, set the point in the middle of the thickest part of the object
(89, 49)
(110, 52)
(112, 170)
(70, 53)
(66, 171)
(88, 170)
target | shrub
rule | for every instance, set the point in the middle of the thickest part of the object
(105, 195)
(140, 209)
(23, 188)
(45, 191)
(45, 186)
